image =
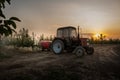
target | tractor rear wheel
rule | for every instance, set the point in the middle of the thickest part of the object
(80, 52)
(57, 46)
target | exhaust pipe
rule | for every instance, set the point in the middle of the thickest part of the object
(78, 33)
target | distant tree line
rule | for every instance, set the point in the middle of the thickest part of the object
(42, 37)
(109, 41)
(22, 38)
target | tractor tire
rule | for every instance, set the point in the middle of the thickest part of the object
(80, 52)
(43, 49)
(57, 46)
(90, 50)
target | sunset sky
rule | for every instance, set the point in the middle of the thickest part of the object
(45, 16)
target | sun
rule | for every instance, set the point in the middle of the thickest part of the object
(100, 36)
(97, 35)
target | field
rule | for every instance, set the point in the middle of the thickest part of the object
(19, 64)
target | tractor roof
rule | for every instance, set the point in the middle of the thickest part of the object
(67, 27)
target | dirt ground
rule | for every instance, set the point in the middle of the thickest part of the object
(104, 64)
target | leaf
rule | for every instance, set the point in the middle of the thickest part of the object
(2, 3)
(0, 21)
(6, 33)
(3, 30)
(8, 1)
(13, 24)
(9, 30)
(15, 19)
(6, 22)
(1, 14)
(9, 22)
(13, 30)
(6, 30)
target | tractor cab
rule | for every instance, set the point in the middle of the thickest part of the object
(67, 32)
(69, 36)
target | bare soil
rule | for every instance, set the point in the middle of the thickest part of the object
(104, 64)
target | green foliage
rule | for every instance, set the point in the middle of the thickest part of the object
(7, 26)
(22, 39)
(24, 42)
(42, 37)
(51, 38)
(2, 6)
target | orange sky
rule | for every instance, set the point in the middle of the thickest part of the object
(45, 16)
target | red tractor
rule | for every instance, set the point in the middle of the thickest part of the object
(67, 39)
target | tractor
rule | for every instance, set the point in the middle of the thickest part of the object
(68, 39)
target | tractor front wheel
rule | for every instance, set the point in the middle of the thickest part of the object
(80, 52)
(57, 46)
(90, 50)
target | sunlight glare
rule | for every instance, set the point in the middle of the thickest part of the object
(97, 35)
